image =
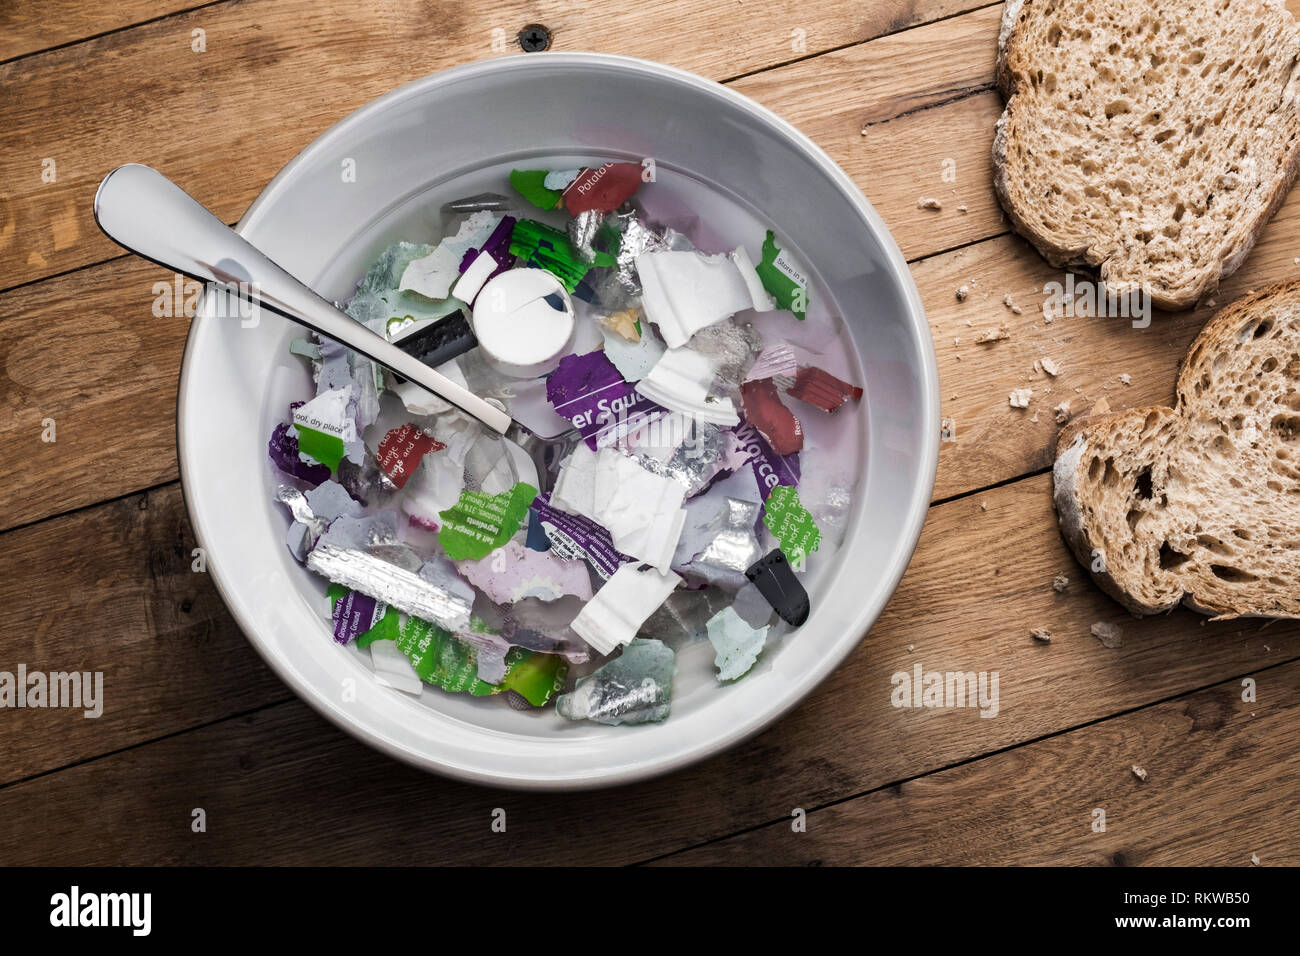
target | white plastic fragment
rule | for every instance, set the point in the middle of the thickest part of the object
(682, 292)
(472, 280)
(432, 275)
(328, 413)
(393, 668)
(680, 382)
(612, 618)
(641, 510)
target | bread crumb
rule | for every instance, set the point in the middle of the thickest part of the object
(1050, 367)
(1062, 413)
(984, 506)
(993, 335)
(928, 202)
(910, 648)
(1034, 419)
(1020, 397)
(962, 292)
(1211, 303)
(1042, 635)
(1060, 583)
(1139, 773)
(1101, 407)
(962, 209)
(1126, 379)
(947, 430)
(1254, 860)
(1110, 635)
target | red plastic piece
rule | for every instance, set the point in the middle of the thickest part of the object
(603, 188)
(766, 412)
(820, 388)
(401, 450)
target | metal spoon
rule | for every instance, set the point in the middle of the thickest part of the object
(146, 213)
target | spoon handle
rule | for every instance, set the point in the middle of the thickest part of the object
(146, 213)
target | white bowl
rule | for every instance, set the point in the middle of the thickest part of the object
(236, 382)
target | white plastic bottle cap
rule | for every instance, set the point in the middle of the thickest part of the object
(524, 323)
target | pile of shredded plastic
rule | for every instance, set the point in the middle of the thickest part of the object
(648, 495)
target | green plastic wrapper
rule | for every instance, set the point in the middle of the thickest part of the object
(540, 245)
(320, 447)
(531, 184)
(442, 660)
(479, 523)
(385, 629)
(791, 524)
(783, 278)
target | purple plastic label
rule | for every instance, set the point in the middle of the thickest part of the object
(770, 468)
(576, 536)
(589, 391)
(283, 450)
(354, 614)
(497, 246)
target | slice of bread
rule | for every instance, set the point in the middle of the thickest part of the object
(1152, 139)
(1199, 503)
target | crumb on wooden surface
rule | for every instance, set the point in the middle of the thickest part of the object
(1110, 635)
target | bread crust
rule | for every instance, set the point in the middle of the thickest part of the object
(1236, 246)
(1095, 434)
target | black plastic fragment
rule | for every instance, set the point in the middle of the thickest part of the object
(439, 341)
(776, 581)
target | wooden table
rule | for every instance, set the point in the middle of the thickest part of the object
(95, 565)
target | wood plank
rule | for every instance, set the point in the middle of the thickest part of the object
(1223, 780)
(143, 95)
(980, 580)
(27, 28)
(111, 589)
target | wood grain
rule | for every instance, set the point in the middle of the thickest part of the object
(144, 95)
(1222, 785)
(28, 27)
(112, 589)
(980, 580)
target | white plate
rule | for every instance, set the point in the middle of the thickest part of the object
(324, 224)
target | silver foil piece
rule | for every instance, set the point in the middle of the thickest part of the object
(734, 548)
(695, 461)
(634, 688)
(364, 554)
(583, 230)
(733, 346)
(480, 202)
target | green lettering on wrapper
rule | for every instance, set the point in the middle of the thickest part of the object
(480, 523)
